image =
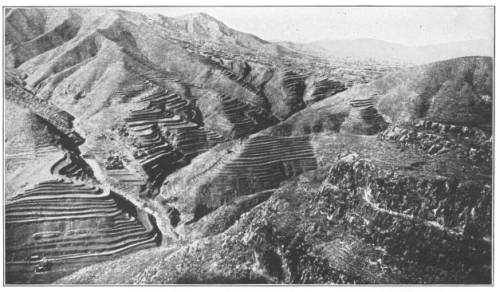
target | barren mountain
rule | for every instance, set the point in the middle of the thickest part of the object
(204, 27)
(154, 150)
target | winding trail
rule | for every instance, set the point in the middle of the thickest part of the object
(367, 197)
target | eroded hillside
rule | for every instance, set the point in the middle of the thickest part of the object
(246, 162)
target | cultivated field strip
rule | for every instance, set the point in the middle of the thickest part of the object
(21, 153)
(91, 242)
(174, 102)
(265, 161)
(324, 88)
(166, 133)
(192, 141)
(246, 118)
(293, 87)
(134, 91)
(158, 78)
(157, 91)
(362, 102)
(262, 163)
(152, 139)
(72, 166)
(60, 219)
(125, 176)
(363, 111)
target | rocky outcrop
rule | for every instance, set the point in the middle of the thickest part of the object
(313, 230)
(255, 250)
(438, 138)
(408, 225)
(435, 213)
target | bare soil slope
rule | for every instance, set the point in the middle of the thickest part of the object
(245, 161)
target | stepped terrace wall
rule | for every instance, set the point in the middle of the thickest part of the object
(69, 225)
(261, 163)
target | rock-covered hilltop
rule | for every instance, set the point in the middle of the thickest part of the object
(224, 158)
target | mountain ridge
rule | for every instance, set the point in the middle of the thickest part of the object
(143, 149)
(374, 48)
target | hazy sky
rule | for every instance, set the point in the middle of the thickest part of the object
(403, 25)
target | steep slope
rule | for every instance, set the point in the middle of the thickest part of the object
(457, 91)
(348, 113)
(19, 52)
(83, 64)
(24, 25)
(411, 205)
(57, 219)
(129, 100)
(204, 27)
(257, 165)
(348, 222)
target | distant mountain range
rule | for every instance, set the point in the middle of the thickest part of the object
(204, 26)
(377, 49)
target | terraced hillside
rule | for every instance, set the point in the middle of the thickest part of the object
(138, 152)
(397, 207)
(242, 98)
(322, 89)
(363, 118)
(454, 92)
(59, 226)
(355, 220)
(260, 164)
